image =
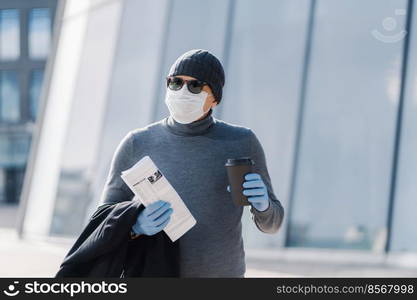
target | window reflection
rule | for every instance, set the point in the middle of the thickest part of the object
(9, 96)
(9, 34)
(39, 33)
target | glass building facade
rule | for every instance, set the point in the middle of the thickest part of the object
(328, 86)
(25, 42)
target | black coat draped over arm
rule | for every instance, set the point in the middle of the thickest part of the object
(105, 249)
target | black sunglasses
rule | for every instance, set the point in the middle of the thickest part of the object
(195, 86)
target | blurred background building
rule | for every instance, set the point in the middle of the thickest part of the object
(329, 87)
(25, 35)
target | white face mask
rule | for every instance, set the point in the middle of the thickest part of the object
(184, 106)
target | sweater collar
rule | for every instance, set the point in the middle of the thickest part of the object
(194, 128)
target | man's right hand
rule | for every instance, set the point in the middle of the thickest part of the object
(153, 218)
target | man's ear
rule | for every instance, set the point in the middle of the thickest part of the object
(215, 102)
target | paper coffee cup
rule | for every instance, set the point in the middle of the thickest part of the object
(237, 168)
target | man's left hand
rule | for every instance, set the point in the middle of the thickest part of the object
(256, 190)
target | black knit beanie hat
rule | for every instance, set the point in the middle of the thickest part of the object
(202, 65)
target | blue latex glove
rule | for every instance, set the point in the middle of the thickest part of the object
(256, 190)
(153, 218)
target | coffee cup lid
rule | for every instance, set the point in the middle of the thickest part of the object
(239, 161)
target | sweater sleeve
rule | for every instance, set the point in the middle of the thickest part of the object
(115, 189)
(270, 220)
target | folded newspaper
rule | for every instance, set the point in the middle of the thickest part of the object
(149, 185)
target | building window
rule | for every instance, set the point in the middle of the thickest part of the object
(9, 97)
(36, 79)
(9, 34)
(39, 33)
(14, 149)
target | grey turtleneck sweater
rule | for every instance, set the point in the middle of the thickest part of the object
(192, 158)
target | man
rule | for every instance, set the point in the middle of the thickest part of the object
(191, 147)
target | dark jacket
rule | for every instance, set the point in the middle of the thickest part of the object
(105, 249)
